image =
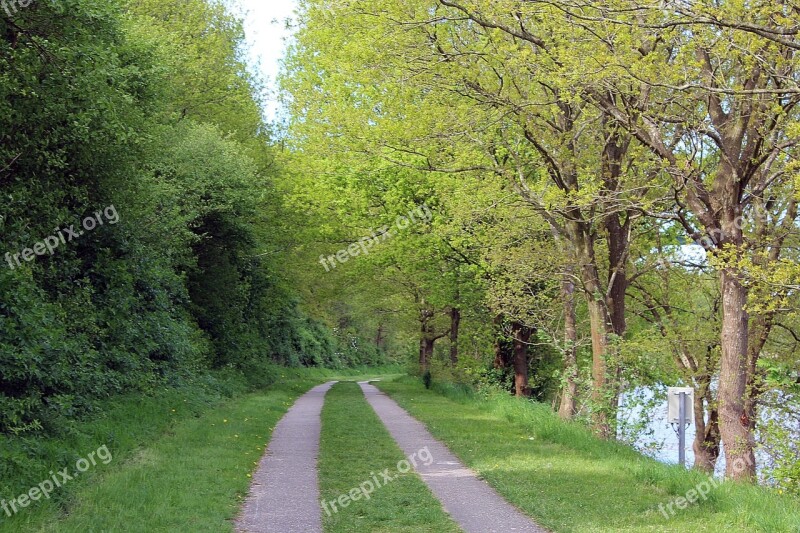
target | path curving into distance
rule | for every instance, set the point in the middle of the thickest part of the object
(472, 503)
(284, 496)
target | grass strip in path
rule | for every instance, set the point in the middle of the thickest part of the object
(570, 481)
(357, 453)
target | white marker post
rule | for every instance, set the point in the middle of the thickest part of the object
(679, 405)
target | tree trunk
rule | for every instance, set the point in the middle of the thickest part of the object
(707, 436)
(617, 232)
(600, 393)
(426, 339)
(425, 353)
(569, 393)
(603, 410)
(760, 326)
(615, 296)
(521, 335)
(455, 322)
(380, 339)
(734, 422)
(617, 238)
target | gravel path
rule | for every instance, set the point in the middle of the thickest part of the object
(472, 503)
(284, 497)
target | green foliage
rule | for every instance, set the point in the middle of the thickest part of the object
(581, 145)
(545, 363)
(147, 107)
(778, 437)
(490, 381)
(783, 470)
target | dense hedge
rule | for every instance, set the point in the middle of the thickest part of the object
(141, 110)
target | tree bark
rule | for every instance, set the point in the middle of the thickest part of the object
(423, 354)
(521, 336)
(425, 339)
(569, 393)
(380, 339)
(428, 337)
(707, 435)
(617, 290)
(455, 322)
(617, 231)
(426, 353)
(735, 426)
(614, 151)
(603, 411)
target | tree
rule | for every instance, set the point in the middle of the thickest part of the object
(721, 115)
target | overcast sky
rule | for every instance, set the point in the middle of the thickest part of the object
(265, 24)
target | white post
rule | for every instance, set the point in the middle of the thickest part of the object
(679, 412)
(682, 429)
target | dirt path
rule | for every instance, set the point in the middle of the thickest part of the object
(472, 503)
(284, 496)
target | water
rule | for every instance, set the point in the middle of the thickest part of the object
(643, 424)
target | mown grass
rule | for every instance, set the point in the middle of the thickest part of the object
(181, 460)
(569, 481)
(355, 446)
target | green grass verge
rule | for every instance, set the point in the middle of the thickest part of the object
(181, 458)
(569, 481)
(355, 446)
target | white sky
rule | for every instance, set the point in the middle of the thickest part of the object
(265, 25)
